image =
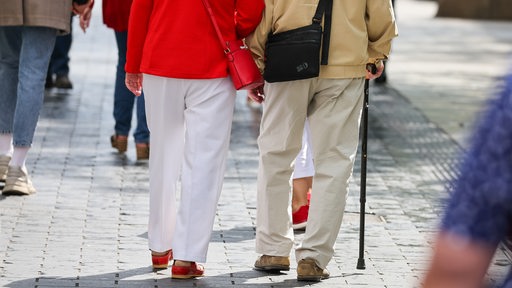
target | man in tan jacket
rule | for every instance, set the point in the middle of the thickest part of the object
(361, 33)
(28, 29)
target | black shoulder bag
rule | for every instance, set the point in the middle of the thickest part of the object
(295, 54)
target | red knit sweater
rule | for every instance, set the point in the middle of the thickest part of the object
(176, 38)
(116, 13)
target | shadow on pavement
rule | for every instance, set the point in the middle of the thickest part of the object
(143, 277)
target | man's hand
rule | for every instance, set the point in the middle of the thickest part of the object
(380, 69)
(256, 94)
(134, 83)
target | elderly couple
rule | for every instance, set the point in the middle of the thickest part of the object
(179, 63)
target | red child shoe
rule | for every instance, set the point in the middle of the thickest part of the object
(161, 261)
(187, 272)
(300, 217)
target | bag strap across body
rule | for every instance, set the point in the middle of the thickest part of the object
(324, 6)
(216, 26)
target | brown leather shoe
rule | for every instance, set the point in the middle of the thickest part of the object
(63, 82)
(272, 263)
(308, 270)
(120, 142)
(142, 150)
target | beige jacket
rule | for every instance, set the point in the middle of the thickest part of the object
(45, 13)
(361, 32)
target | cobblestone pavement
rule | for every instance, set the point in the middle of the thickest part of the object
(86, 226)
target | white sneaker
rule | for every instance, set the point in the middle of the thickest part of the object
(17, 182)
(4, 163)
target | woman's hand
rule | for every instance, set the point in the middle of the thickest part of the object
(256, 94)
(133, 82)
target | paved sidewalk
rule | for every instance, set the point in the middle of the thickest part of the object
(446, 67)
(86, 226)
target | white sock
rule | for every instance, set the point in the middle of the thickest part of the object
(19, 156)
(6, 144)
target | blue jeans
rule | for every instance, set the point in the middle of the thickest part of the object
(59, 62)
(124, 100)
(24, 55)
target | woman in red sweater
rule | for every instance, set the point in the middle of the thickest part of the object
(174, 55)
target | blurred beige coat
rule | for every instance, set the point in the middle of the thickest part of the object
(45, 13)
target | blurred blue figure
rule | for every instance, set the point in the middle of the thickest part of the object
(115, 16)
(479, 212)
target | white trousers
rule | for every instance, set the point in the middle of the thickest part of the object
(333, 107)
(190, 125)
(304, 162)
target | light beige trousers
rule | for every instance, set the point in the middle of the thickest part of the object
(333, 107)
(190, 123)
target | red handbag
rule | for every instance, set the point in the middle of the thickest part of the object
(241, 66)
(242, 69)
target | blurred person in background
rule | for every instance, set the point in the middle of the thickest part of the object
(479, 212)
(59, 61)
(383, 78)
(28, 29)
(115, 15)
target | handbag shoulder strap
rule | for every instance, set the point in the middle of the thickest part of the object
(324, 6)
(215, 25)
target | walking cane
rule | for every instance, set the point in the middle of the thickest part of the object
(362, 192)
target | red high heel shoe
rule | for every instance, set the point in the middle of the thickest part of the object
(187, 272)
(161, 261)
